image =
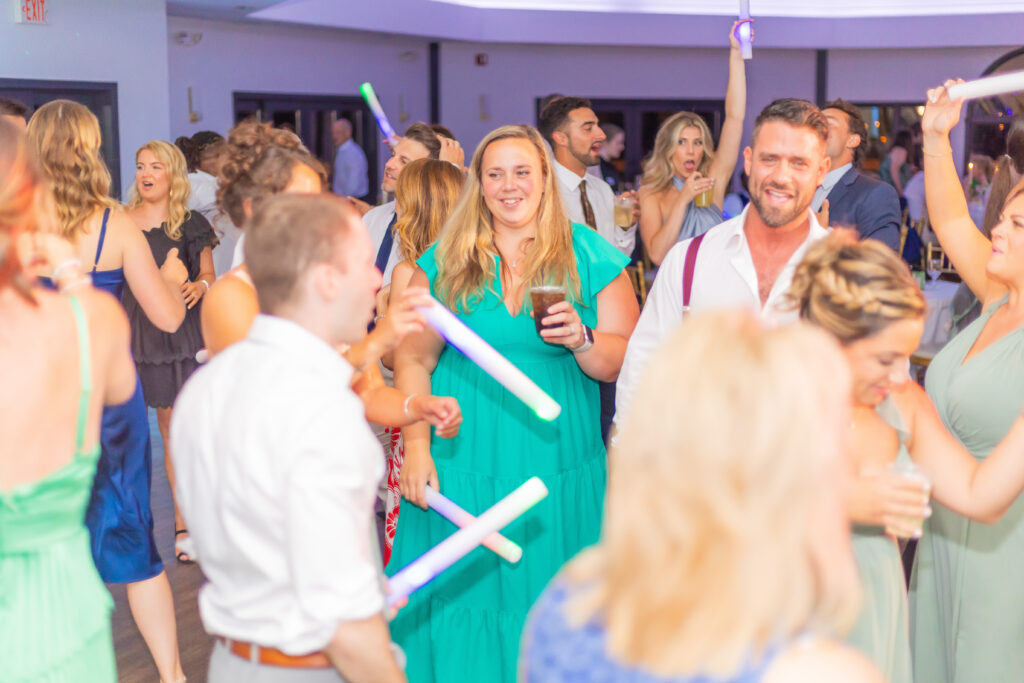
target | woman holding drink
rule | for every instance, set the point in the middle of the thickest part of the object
(508, 234)
(863, 294)
(685, 180)
(966, 592)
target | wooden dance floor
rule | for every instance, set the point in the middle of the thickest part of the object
(134, 665)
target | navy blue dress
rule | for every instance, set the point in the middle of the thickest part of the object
(119, 519)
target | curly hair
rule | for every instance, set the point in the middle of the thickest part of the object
(195, 147)
(854, 289)
(180, 189)
(425, 195)
(66, 140)
(259, 162)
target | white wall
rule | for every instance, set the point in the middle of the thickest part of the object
(124, 41)
(261, 57)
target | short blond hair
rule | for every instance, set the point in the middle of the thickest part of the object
(288, 234)
(708, 556)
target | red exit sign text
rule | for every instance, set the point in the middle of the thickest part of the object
(32, 12)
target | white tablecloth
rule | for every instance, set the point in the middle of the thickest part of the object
(939, 295)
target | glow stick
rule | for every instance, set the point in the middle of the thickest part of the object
(449, 551)
(378, 112)
(490, 361)
(456, 515)
(743, 31)
(986, 87)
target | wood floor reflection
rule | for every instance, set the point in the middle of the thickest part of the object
(134, 665)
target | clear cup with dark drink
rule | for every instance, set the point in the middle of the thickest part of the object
(542, 299)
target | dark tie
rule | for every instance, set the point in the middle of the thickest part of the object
(588, 210)
(383, 254)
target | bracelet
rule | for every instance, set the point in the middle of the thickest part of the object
(78, 282)
(70, 263)
(207, 285)
(405, 406)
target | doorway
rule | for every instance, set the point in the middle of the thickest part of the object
(311, 117)
(100, 98)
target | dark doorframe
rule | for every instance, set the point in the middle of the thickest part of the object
(99, 97)
(311, 117)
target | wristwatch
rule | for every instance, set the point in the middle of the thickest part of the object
(588, 340)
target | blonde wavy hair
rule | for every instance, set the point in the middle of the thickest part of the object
(426, 192)
(711, 551)
(466, 251)
(177, 173)
(65, 137)
(658, 168)
(854, 289)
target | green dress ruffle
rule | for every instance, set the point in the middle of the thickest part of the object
(465, 625)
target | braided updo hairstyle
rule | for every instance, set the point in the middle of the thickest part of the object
(854, 289)
(259, 163)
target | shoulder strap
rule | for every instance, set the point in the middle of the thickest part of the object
(103, 234)
(85, 371)
(688, 268)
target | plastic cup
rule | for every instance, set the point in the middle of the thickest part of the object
(703, 200)
(542, 299)
(909, 470)
(624, 211)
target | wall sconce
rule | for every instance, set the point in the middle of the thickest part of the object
(403, 115)
(193, 116)
(186, 39)
(484, 114)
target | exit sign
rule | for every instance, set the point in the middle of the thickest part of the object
(31, 12)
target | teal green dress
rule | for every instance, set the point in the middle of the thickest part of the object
(967, 587)
(881, 631)
(54, 610)
(465, 625)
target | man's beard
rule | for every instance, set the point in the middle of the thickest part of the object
(776, 218)
(587, 159)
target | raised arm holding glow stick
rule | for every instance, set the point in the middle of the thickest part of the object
(744, 32)
(986, 87)
(456, 515)
(366, 90)
(458, 545)
(490, 361)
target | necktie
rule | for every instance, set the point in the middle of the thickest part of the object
(383, 254)
(588, 210)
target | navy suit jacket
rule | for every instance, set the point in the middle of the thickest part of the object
(869, 205)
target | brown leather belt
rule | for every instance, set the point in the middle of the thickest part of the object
(273, 657)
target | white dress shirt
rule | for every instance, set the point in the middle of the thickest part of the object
(203, 199)
(350, 174)
(823, 191)
(377, 221)
(724, 277)
(276, 473)
(602, 199)
(913, 192)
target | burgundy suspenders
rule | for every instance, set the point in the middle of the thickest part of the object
(688, 266)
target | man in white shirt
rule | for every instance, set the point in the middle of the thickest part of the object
(570, 127)
(350, 170)
(277, 469)
(747, 261)
(419, 142)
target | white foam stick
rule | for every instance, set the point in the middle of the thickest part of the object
(490, 361)
(986, 87)
(449, 551)
(460, 518)
(743, 31)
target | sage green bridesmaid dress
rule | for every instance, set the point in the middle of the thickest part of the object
(881, 631)
(967, 587)
(54, 610)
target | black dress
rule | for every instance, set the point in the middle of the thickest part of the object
(165, 360)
